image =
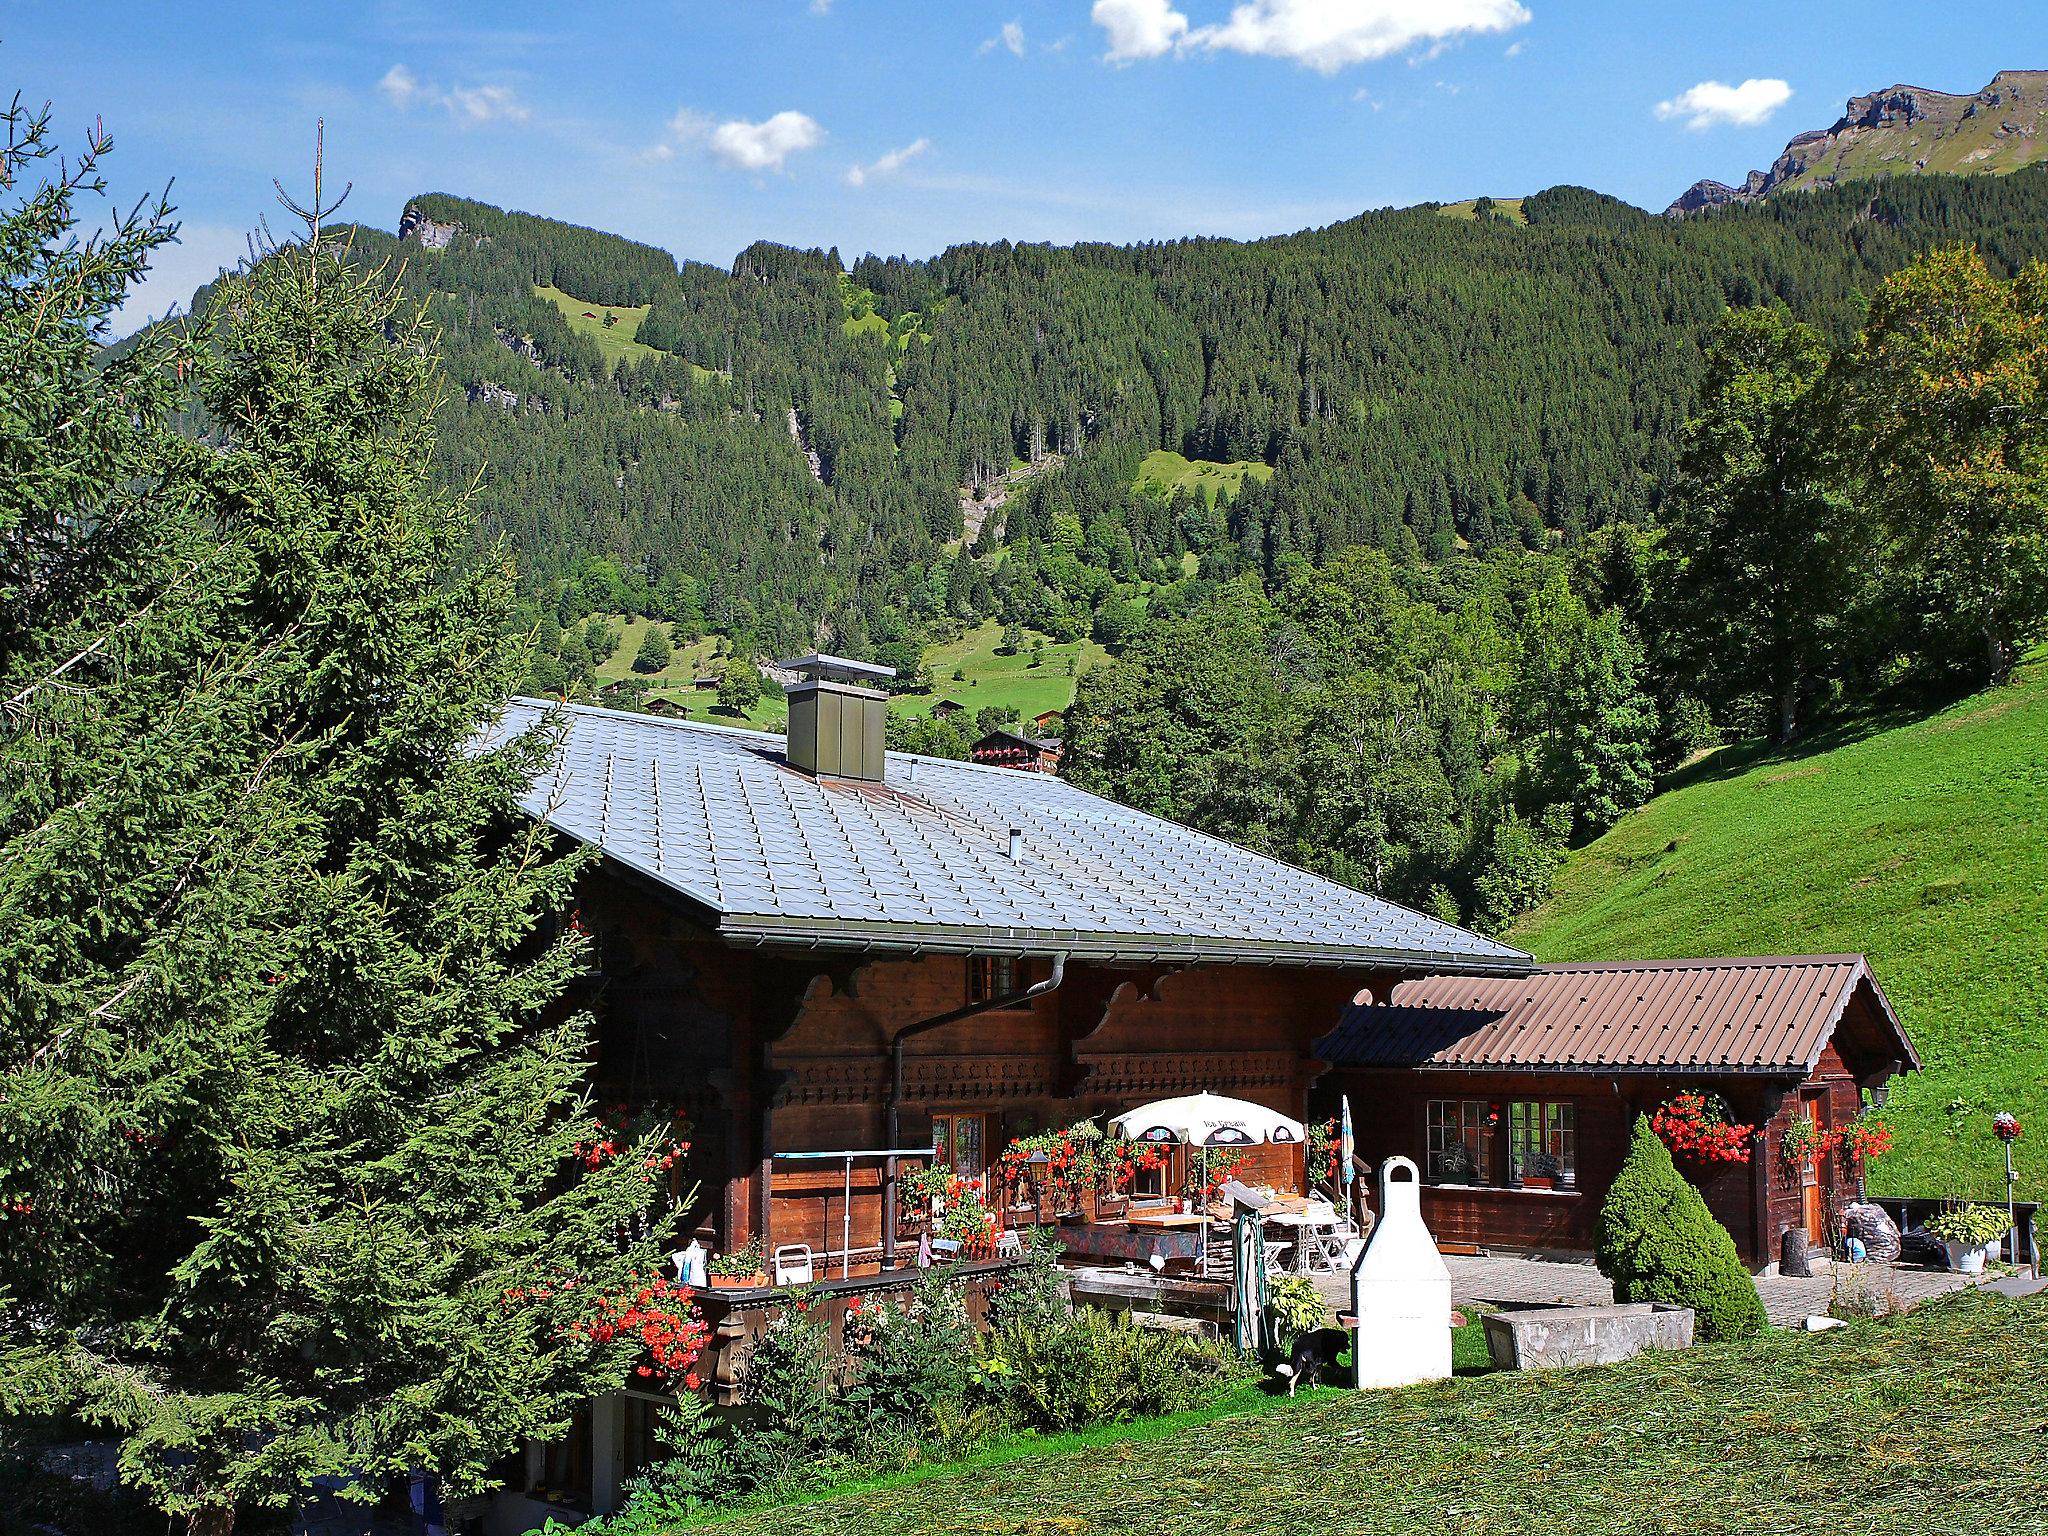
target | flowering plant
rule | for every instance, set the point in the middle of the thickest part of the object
(959, 1204)
(1804, 1139)
(621, 1128)
(2006, 1127)
(1866, 1138)
(1696, 1125)
(1323, 1154)
(659, 1314)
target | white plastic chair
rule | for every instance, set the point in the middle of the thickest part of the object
(1010, 1244)
(794, 1265)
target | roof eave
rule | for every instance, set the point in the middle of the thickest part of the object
(913, 939)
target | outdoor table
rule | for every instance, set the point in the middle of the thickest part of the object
(1301, 1222)
(1167, 1219)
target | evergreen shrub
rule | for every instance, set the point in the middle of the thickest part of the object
(1659, 1242)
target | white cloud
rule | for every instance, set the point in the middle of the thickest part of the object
(745, 146)
(889, 164)
(1514, 49)
(1139, 29)
(1324, 35)
(1010, 36)
(1710, 104)
(1328, 35)
(465, 103)
(399, 86)
(821, 7)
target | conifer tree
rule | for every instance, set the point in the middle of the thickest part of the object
(318, 1201)
(1657, 1241)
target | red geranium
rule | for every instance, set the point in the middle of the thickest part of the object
(1697, 1126)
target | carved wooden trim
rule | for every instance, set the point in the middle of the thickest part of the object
(1164, 1074)
(950, 1079)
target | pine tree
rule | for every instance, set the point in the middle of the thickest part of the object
(335, 1221)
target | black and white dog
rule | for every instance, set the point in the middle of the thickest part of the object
(1312, 1361)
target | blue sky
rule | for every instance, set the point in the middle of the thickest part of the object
(908, 125)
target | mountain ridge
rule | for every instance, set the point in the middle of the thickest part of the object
(1902, 130)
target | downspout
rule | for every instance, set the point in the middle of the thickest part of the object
(923, 1026)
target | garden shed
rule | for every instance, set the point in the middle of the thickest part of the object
(1516, 1093)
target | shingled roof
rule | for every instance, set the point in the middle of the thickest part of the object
(922, 862)
(1767, 1016)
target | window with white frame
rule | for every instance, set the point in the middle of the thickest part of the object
(1543, 1144)
(1456, 1141)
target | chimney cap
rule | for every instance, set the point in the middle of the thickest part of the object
(835, 669)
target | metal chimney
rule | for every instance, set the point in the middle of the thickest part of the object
(836, 726)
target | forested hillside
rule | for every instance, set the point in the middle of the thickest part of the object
(784, 459)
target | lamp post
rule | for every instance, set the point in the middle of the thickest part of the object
(2006, 1127)
(1036, 1161)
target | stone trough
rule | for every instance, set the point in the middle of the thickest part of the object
(1543, 1338)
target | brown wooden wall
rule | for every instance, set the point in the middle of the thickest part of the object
(768, 1052)
(1756, 1201)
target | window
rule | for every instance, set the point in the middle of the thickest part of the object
(961, 1143)
(1543, 1144)
(1457, 1145)
(990, 976)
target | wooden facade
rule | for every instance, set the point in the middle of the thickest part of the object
(1492, 1206)
(763, 1051)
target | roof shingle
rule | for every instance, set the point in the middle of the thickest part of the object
(773, 855)
(1771, 1015)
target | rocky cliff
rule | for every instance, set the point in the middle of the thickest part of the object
(1904, 130)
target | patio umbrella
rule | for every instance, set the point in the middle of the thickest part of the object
(1347, 1147)
(1208, 1120)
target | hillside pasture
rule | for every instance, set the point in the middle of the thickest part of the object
(1509, 208)
(1923, 844)
(1005, 681)
(1162, 472)
(616, 342)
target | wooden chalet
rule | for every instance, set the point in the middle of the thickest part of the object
(1516, 1094)
(809, 945)
(1011, 749)
(810, 950)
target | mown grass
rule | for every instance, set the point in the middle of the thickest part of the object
(1162, 472)
(1928, 1422)
(676, 681)
(1008, 681)
(616, 342)
(1923, 844)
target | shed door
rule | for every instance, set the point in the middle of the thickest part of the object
(1814, 1107)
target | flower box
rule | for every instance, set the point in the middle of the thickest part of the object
(755, 1281)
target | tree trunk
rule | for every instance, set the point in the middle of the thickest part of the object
(213, 1520)
(1999, 655)
(1788, 710)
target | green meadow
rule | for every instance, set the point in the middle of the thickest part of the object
(1162, 472)
(1922, 843)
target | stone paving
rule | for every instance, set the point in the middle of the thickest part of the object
(1501, 1281)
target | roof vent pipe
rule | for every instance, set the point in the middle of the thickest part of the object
(1016, 844)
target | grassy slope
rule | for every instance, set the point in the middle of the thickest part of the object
(990, 680)
(1509, 208)
(615, 341)
(1923, 845)
(1908, 1425)
(1001, 680)
(1163, 472)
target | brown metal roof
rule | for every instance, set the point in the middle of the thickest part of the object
(1770, 1016)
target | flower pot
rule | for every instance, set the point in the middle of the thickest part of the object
(1965, 1260)
(739, 1282)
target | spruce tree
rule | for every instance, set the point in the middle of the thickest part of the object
(1657, 1241)
(324, 1172)
(655, 652)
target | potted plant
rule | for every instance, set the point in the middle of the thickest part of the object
(1966, 1232)
(739, 1270)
